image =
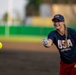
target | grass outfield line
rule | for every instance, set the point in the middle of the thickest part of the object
(21, 38)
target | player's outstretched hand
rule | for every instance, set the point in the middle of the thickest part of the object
(45, 41)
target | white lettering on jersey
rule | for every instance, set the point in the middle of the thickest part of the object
(69, 43)
(61, 44)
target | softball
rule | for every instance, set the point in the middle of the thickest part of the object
(0, 45)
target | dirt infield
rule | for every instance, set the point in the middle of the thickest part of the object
(20, 58)
(28, 46)
(28, 63)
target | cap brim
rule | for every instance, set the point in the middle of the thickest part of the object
(54, 19)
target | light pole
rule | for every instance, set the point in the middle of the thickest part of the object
(10, 17)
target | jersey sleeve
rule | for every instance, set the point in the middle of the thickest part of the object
(73, 33)
(51, 36)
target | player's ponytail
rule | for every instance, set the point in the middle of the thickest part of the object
(66, 36)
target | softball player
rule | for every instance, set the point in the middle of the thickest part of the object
(65, 40)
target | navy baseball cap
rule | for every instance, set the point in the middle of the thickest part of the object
(58, 17)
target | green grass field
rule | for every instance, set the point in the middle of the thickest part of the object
(22, 38)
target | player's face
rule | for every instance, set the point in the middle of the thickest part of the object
(58, 24)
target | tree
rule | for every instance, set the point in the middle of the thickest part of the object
(5, 17)
(32, 8)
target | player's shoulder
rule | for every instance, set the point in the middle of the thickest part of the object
(71, 29)
(53, 32)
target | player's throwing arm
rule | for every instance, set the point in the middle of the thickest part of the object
(47, 42)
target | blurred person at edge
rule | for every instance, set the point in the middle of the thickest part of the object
(65, 40)
(45, 9)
